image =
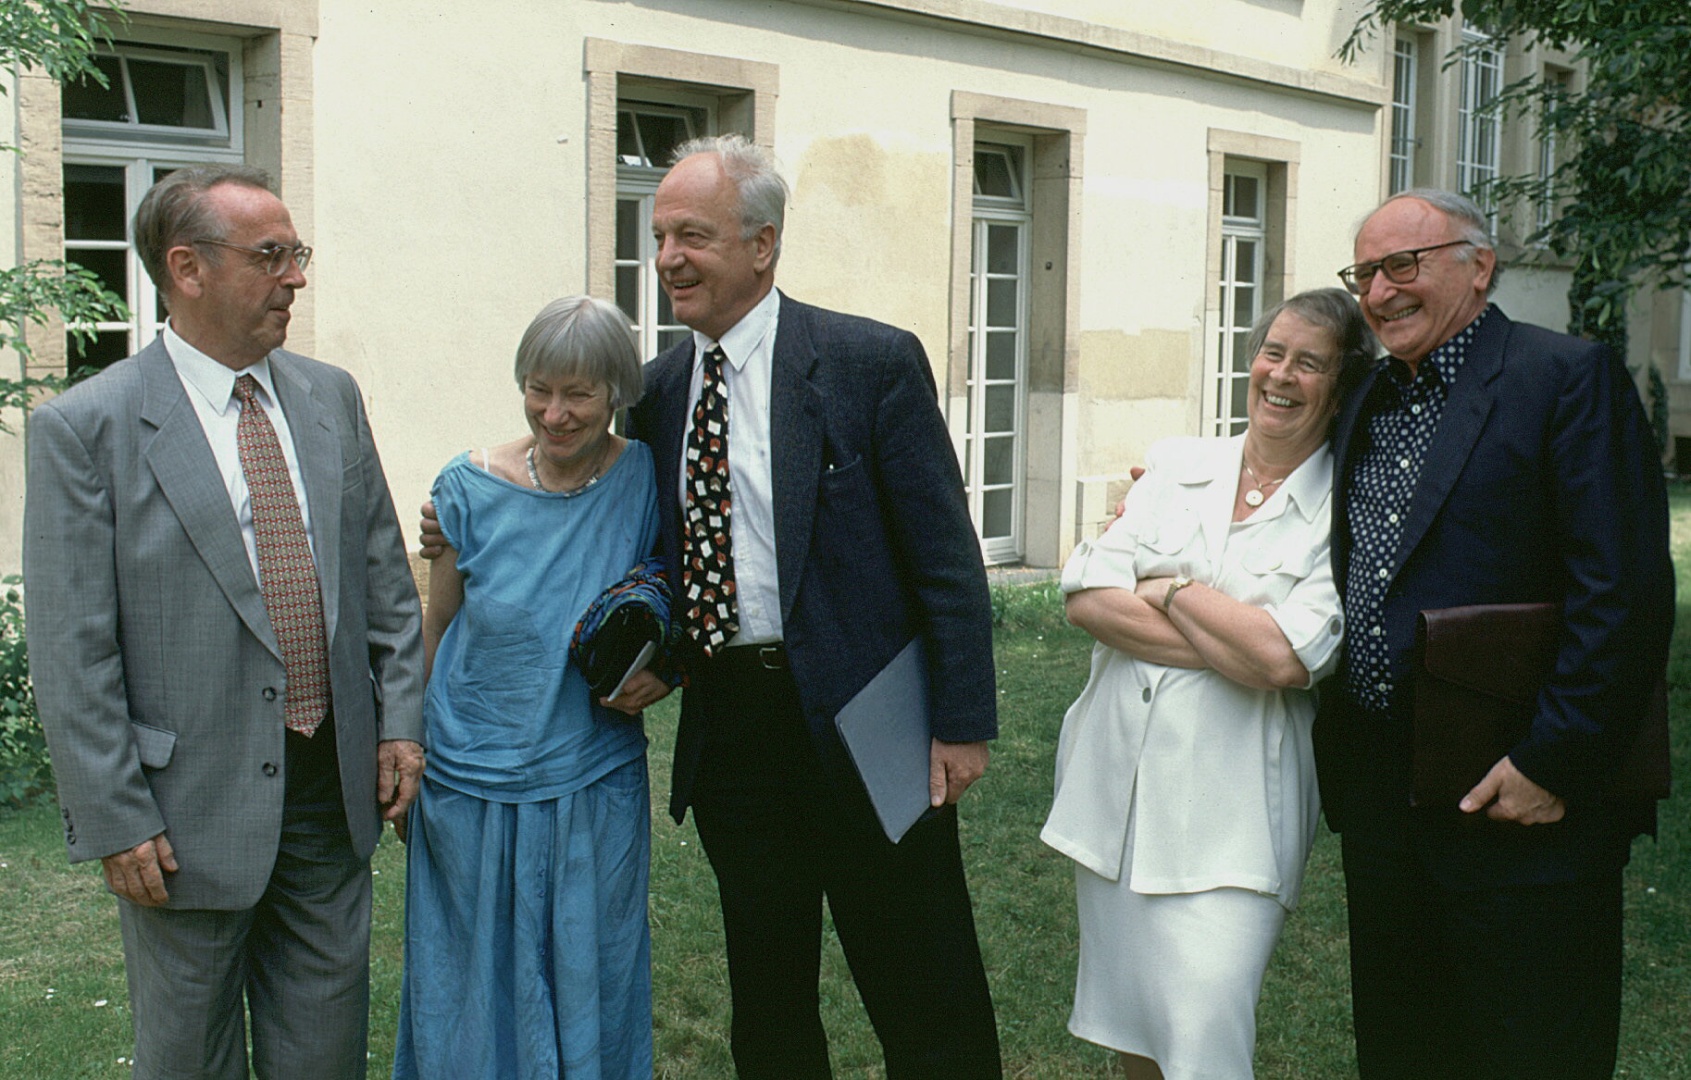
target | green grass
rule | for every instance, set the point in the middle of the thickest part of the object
(59, 953)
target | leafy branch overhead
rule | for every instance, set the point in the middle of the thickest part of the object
(1622, 183)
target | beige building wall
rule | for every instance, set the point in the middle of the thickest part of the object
(438, 156)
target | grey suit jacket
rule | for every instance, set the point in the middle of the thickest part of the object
(158, 677)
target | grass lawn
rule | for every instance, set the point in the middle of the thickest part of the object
(62, 992)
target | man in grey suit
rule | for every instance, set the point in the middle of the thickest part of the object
(224, 640)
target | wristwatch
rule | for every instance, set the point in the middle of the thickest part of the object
(1180, 582)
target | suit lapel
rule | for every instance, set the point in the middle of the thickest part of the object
(663, 427)
(182, 463)
(796, 434)
(313, 422)
(1465, 411)
(1344, 443)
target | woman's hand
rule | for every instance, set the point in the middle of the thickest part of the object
(640, 690)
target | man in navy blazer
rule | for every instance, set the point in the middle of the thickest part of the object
(850, 537)
(1486, 461)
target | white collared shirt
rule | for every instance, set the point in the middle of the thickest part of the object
(211, 391)
(750, 347)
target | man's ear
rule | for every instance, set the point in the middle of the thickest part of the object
(763, 254)
(1485, 264)
(186, 269)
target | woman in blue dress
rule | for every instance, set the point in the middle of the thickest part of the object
(527, 949)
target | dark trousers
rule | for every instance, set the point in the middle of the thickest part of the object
(1499, 983)
(781, 837)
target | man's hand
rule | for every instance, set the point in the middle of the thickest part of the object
(429, 536)
(137, 875)
(399, 765)
(1507, 795)
(952, 767)
(642, 689)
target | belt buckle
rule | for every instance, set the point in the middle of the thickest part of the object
(771, 657)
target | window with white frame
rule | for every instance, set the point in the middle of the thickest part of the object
(1544, 210)
(1405, 74)
(647, 134)
(1244, 227)
(1479, 135)
(994, 455)
(170, 101)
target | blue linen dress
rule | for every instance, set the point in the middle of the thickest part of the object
(527, 947)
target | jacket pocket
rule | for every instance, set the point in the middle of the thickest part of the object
(154, 745)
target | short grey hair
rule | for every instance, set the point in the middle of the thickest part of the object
(587, 338)
(763, 194)
(1473, 223)
(174, 213)
(1335, 311)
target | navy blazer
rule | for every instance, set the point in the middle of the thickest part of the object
(873, 541)
(1542, 483)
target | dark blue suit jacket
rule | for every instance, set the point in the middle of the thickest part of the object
(1542, 483)
(873, 540)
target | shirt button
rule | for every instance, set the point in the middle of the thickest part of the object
(1385, 573)
(1392, 517)
(1403, 463)
(1376, 632)
(1381, 687)
(1416, 409)
(1145, 695)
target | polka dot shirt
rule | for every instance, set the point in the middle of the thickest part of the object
(1400, 419)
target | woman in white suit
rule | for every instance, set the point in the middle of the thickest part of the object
(1185, 775)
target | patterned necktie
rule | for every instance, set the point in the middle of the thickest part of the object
(286, 574)
(707, 571)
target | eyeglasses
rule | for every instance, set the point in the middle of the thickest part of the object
(276, 256)
(1400, 268)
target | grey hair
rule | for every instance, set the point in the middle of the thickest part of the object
(763, 194)
(1473, 223)
(1335, 311)
(583, 337)
(174, 213)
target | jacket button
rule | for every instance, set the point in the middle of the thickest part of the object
(269, 768)
(269, 693)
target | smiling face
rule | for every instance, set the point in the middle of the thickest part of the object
(1448, 293)
(1294, 387)
(224, 303)
(570, 417)
(712, 274)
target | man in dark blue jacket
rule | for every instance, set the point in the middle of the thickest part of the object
(1487, 461)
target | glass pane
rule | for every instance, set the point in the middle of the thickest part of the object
(661, 135)
(628, 229)
(1000, 409)
(628, 292)
(1001, 354)
(112, 266)
(992, 173)
(1001, 302)
(106, 348)
(94, 203)
(666, 313)
(1244, 306)
(1241, 391)
(628, 140)
(1001, 249)
(995, 514)
(85, 99)
(997, 461)
(668, 339)
(1241, 351)
(1244, 196)
(175, 95)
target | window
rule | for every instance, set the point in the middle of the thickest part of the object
(1685, 334)
(998, 347)
(647, 135)
(1479, 138)
(1244, 231)
(1406, 72)
(165, 106)
(1545, 208)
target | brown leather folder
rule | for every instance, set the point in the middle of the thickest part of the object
(1478, 672)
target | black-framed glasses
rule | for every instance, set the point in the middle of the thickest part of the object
(276, 256)
(1400, 268)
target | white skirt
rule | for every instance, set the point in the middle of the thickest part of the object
(1174, 978)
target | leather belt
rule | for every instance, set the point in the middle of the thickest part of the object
(770, 657)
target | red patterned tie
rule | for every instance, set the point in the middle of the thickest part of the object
(286, 574)
(707, 572)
